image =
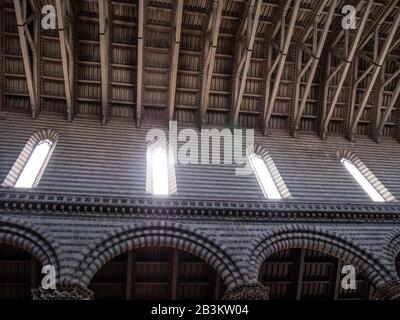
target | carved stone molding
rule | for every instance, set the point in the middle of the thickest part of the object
(42, 203)
(65, 291)
(247, 291)
(390, 291)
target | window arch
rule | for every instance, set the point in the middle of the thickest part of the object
(160, 171)
(267, 173)
(365, 178)
(31, 163)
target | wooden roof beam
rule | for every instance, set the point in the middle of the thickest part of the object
(381, 121)
(140, 62)
(29, 43)
(65, 29)
(285, 38)
(209, 56)
(243, 54)
(104, 29)
(312, 64)
(175, 58)
(342, 69)
(375, 69)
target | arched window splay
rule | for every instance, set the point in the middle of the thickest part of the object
(264, 177)
(31, 163)
(267, 173)
(364, 177)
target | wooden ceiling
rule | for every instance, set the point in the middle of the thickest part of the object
(167, 273)
(170, 274)
(268, 65)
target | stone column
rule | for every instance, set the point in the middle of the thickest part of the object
(64, 291)
(389, 291)
(247, 291)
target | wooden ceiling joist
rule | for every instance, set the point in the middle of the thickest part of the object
(244, 51)
(373, 71)
(279, 63)
(341, 70)
(66, 34)
(29, 45)
(209, 55)
(140, 62)
(175, 58)
(311, 66)
(104, 29)
(382, 120)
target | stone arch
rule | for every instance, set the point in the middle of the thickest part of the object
(391, 248)
(31, 239)
(313, 238)
(149, 234)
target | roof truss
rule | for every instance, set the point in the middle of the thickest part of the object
(65, 15)
(29, 44)
(286, 33)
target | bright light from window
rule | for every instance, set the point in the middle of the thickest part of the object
(160, 172)
(264, 177)
(35, 163)
(363, 182)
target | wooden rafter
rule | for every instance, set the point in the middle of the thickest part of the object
(28, 42)
(140, 48)
(104, 29)
(65, 30)
(175, 57)
(381, 121)
(285, 38)
(248, 29)
(311, 66)
(341, 70)
(209, 55)
(373, 71)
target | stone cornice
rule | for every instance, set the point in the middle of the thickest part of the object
(19, 201)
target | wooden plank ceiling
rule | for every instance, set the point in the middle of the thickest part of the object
(271, 65)
(166, 273)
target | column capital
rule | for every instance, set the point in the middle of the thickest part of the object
(247, 291)
(389, 291)
(64, 291)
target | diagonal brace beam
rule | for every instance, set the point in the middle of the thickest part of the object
(375, 72)
(286, 36)
(209, 56)
(175, 58)
(311, 66)
(343, 70)
(244, 54)
(29, 46)
(65, 30)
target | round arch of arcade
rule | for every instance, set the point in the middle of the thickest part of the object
(32, 239)
(312, 238)
(174, 235)
(391, 249)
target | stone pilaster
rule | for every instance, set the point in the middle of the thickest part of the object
(64, 291)
(247, 291)
(389, 291)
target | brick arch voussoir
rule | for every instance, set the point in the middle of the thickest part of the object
(174, 235)
(310, 237)
(42, 245)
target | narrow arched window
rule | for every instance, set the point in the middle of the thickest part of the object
(32, 168)
(160, 171)
(362, 181)
(31, 163)
(364, 177)
(264, 177)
